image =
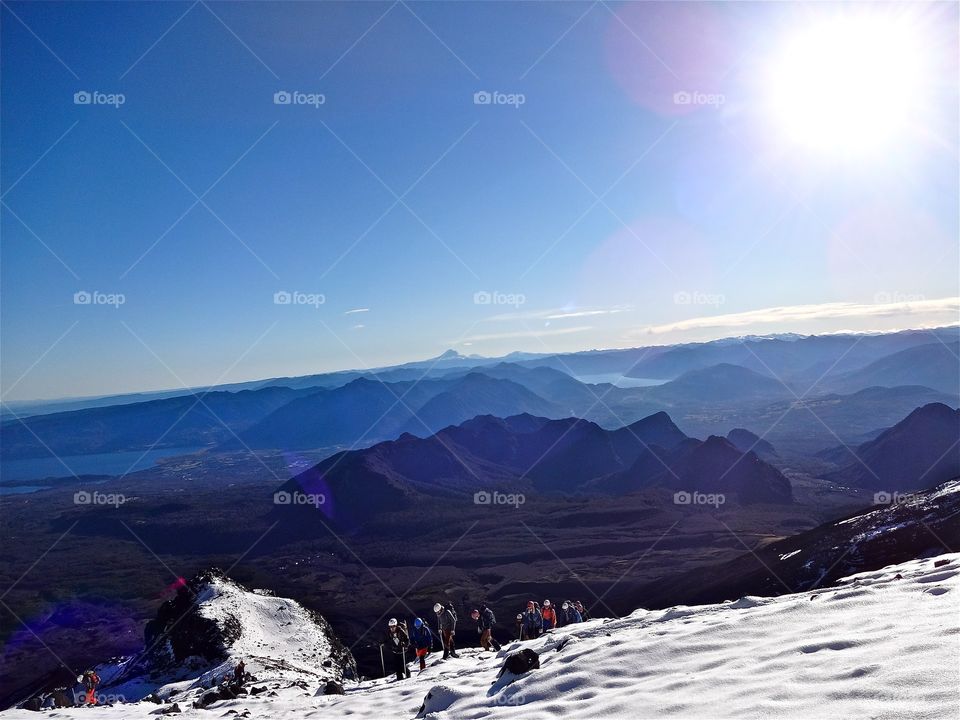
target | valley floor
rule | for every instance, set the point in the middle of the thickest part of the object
(877, 646)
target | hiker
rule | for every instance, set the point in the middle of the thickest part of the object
(549, 616)
(570, 613)
(532, 621)
(584, 615)
(485, 620)
(397, 641)
(90, 681)
(422, 640)
(238, 673)
(518, 624)
(447, 623)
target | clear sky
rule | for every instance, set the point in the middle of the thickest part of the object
(483, 176)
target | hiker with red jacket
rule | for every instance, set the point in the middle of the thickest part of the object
(90, 681)
(549, 616)
(447, 623)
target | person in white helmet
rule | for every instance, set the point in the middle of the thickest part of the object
(549, 616)
(447, 622)
(397, 642)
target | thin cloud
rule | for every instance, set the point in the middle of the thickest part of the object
(521, 334)
(806, 313)
(557, 313)
(356, 310)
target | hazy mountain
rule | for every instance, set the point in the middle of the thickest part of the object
(712, 466)
(717, 384)
(934, 365)
(918, 452)
(745, 441)
(188, 420)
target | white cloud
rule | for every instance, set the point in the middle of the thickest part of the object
(521, 334)
(915, 314)
(356, 310)
(557, 313)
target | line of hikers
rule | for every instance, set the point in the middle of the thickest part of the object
(529, 625)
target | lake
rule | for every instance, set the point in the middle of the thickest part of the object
(98, 464)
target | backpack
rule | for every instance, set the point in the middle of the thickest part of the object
(452, 609)
(521, 662)
(489, 616)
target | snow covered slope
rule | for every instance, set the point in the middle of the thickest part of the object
(881, 644)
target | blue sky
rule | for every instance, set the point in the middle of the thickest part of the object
(588, 205)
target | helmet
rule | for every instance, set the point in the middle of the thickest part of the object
(530, 603)
(565, 605)
(546, 603)
(474, 613)
(519, 616)
(437, 608)
(417, 623)
(79, 678)
(392, 622)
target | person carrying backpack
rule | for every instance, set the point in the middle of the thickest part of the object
(90, 681)
(532, 621)
(518, 626)
(485, 620)
(397, 642)
(549, 616)
(584, 615)
(447, 623)
(422, 640)
(571, 615)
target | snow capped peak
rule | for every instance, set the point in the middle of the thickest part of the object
(199, 636)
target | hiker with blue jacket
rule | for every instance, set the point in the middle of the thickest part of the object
(422, 640)
(532, 622)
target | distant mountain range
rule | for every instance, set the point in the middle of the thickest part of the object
(533, 455)
(357, 409)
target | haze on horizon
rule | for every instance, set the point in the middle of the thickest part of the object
(291, 188)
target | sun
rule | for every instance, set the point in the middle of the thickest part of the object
(849, 85)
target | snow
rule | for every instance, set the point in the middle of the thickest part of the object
(874, 646)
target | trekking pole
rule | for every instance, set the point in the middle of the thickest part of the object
(383, 667)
